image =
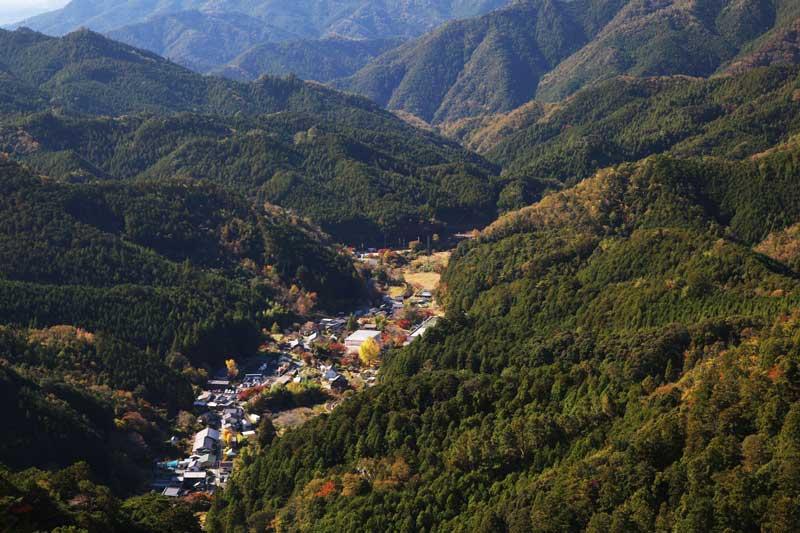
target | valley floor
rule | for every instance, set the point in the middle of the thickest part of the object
(299, 373)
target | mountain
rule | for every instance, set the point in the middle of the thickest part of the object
(205, 35)
(200, 41)
(627, 119)
(70, 382)
(90, 414)
(174, 264)
(476, 66)
(364, 178)
(779, 47)
(620, 348)
(663, 38)
(549, 49)
(357, 19)
(616, 357)
(85, 72)
(320, 60)
(359, 171)
(74, 501)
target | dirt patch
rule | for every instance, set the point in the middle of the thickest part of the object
(293, 418)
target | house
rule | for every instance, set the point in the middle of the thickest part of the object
(193, 465)
(332, 325)
(203, 399)
(218, 384)
(420, 331)
(232, 417)
(330, 375)
(194, 480)
(251, 380)
(284, 379)
(172, 492)
(207, 460)
(340, 384)
(225, 467)
(354, 341)
(205, 441)
(309, 339)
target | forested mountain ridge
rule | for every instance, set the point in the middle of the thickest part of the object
(781, 46)
(543, 146)
(305, 18)
(84, 72)
(206, 35)
(319, 60)
(665, 38)
(90, 415)
(361, 181)
(359, 171)
(549, 49)
(200, 41)
(115, 298)
(615, 358)
(475, 66)
(169, 265)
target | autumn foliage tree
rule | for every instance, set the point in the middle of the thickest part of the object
(233, 368)
(368, 352)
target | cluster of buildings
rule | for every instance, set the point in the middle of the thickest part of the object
(220, 407)
(226, 426)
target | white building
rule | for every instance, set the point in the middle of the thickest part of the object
(420, 331)
(354, 341)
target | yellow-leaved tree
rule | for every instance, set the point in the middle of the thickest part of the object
(228, 437)
(233, 368)
(368, 352)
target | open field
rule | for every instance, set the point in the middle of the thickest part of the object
(424, 271)
(427, 280)
(436, 260)
(395, 292)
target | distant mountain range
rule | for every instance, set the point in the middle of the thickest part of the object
(415, 58)
(549, 49)
(311, 59)
(85, 107)
(205, 35)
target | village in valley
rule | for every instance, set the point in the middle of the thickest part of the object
(300, 372)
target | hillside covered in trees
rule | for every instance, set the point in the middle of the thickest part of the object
(549, 49)
(616, 357)
(177, 264)
(205, 35)
(319, 60)
(627, 119)
(85, 72)
(360, 172)
(621, 346)
(115, 298)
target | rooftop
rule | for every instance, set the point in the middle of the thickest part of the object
(363, 334)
